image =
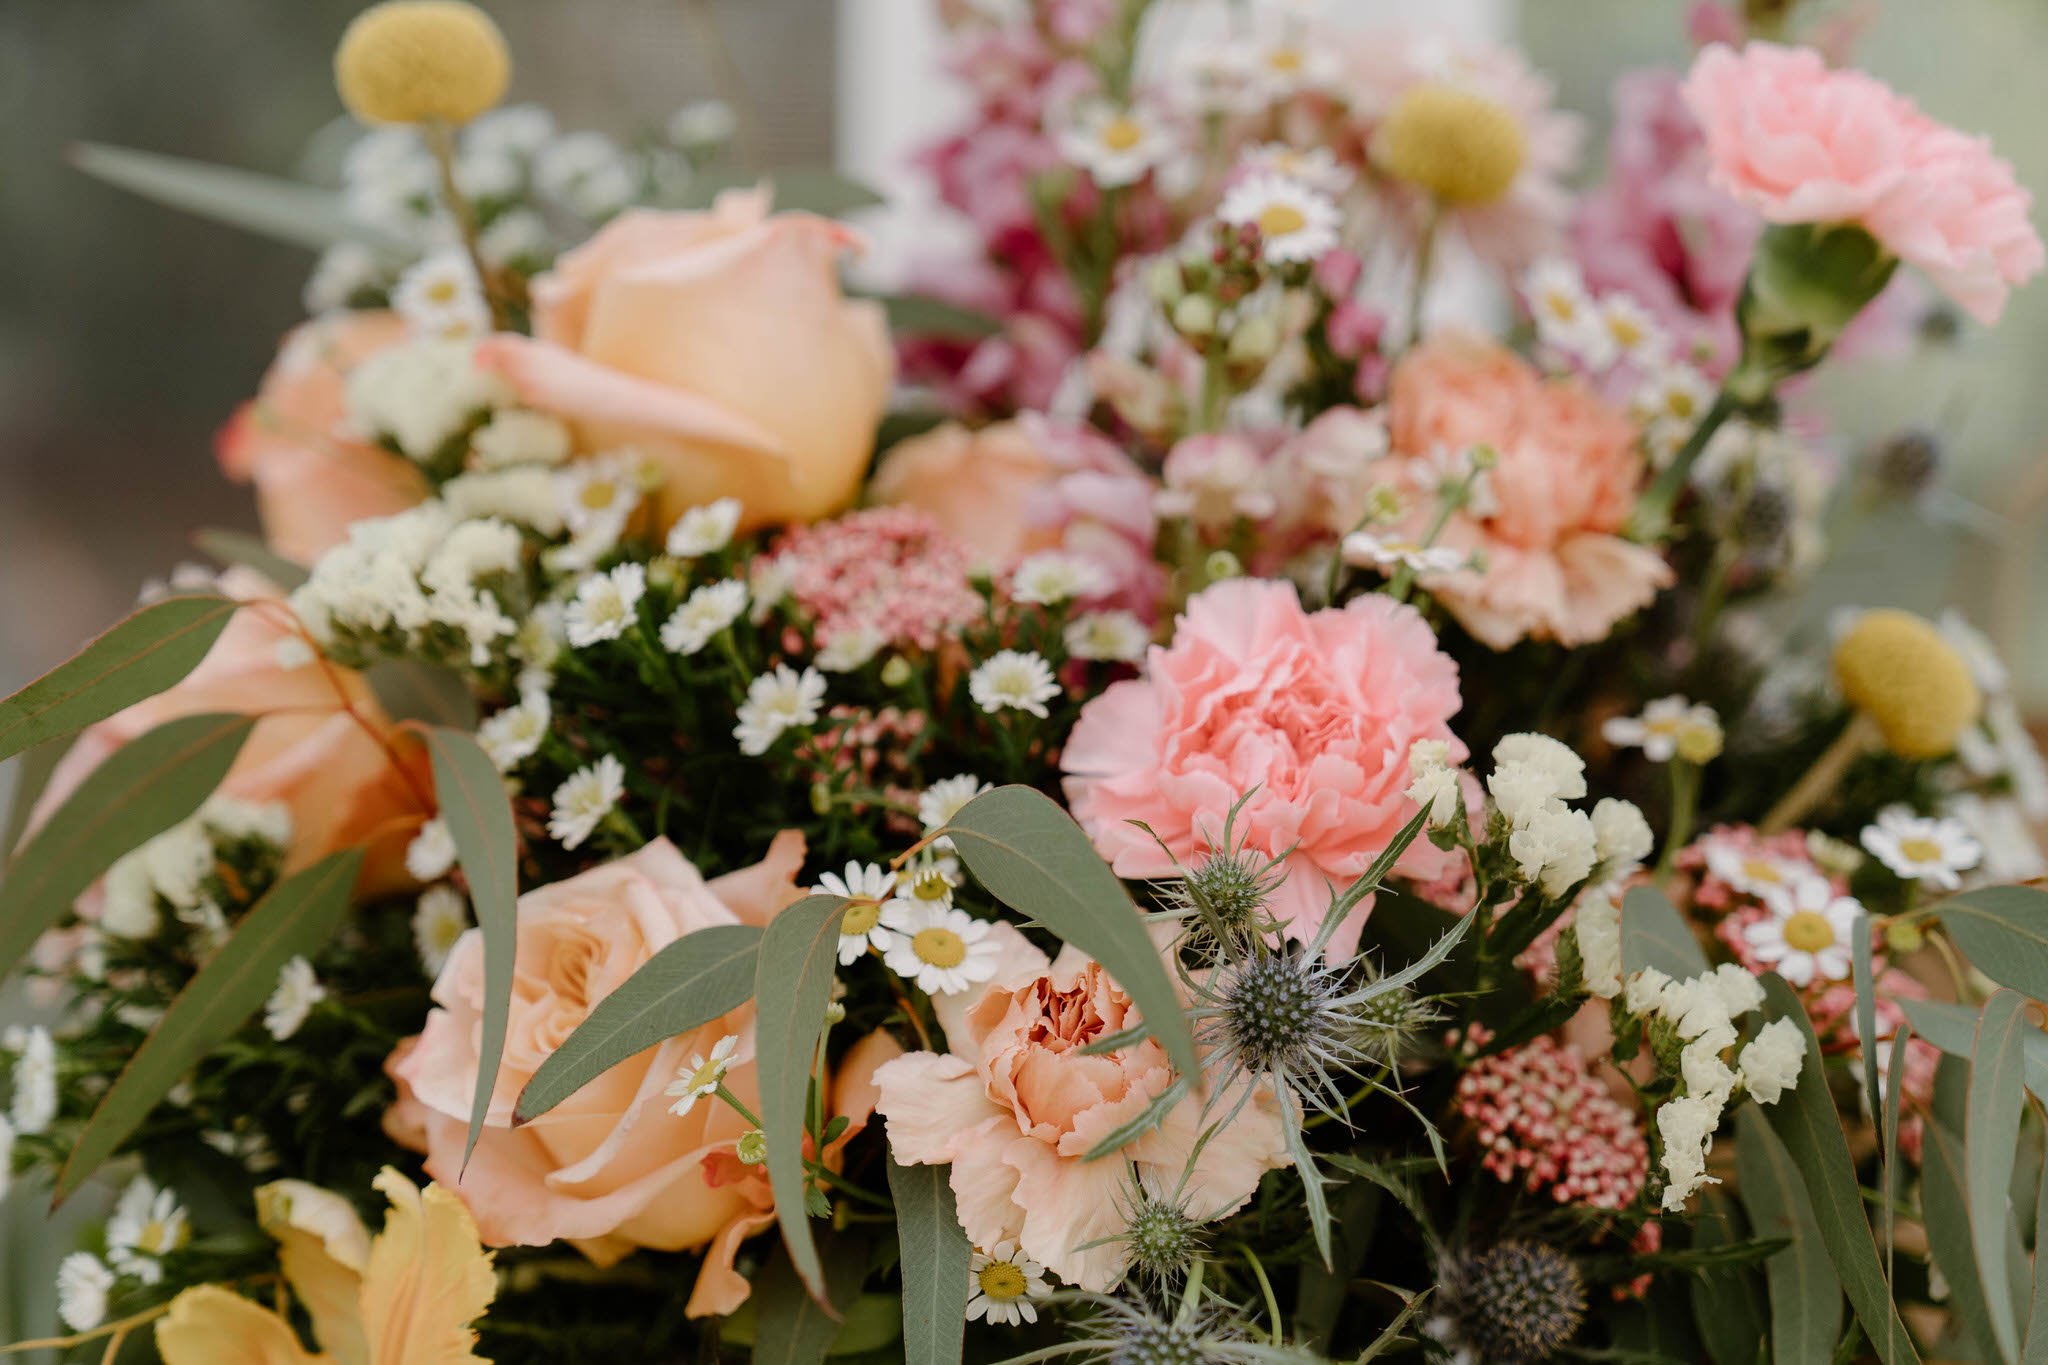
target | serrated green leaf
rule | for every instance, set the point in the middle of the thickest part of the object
(791, 1327)
(478, 815)
(32, 772)
(1805, 1293)
(249, 552)
(282, 210)
(1807, 1124)
(136, 793)
(686, 985)
(1390, 1335)
(135, 659)
(409, 689)
(1031, 856)
(1654, 934)
(1990, 1140)
(293, 920)
(1953, 1029)
(2003, 930)
(936, 1256)
(792, 986)
(1725, 1305)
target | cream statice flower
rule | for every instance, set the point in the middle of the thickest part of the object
(147, 1224)
(35, 1083)
(1771, 1061)
(1621, 834)
(1116, 145)
(943, 950)
(1434, 785)
(441, 917)
(1555, 848)
(298, 990)
(1553, 759)
(1109, 636)
(1295, 222)
(701, 1076)
(83, 1283)
(605, 605)
(1935, 851)
(520, 436)
(439, 296)
(513, 735)
(421, 395)
(704, 530)
(1687, 1126)
(777, 702)
(851, 648)
(702, 615)
(1053, 576)
(583, 801)
(1597, 920)
(431, 852)
(1014, 680)
(1374, 550)
(1002, 1282)
(1670, 727)
(1808, 933)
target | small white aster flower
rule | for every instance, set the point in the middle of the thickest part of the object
(1676, 394)
(1115, 145)
(431, 852)
(147, 1224)
(1016, 680)
(1662, 728)
(83, 1283)
(704, 530)
(439, 297)
(598, 495)
(851, 648)
(943, 950)
(35, 1082)
(1936, 851)
(1370, 549)
(702, 615)
(703, 123)
(1113, 636)
(298, 990)
(441, 918)
(777, 702)
(1052, 576)
(583, 801)
(513, 735)
(1001, 1284)
(1295, 222)
(605, 605)
(701, 1076)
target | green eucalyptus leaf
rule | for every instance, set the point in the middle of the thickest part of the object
(1953, 1029)
(282, 210)
(2003, 930)
(31, 778)
(1654, 934)
(240, 548)
(2034, 1351)
(410, 689)
(1725, 1305)
(1990, 1142)
(791, 1325)
(1805, 1293)
(936, 1256)
(792, 986)
(1944, 1208)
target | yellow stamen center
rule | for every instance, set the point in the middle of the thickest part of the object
(1278, 220)
(1625, 331)
(598, 494)
(1000, 1279)
(1122, 133)
(939, 947)
(1762, 870)
(1286, 60)
(1679, 403)
(1809, 931)
(859, 918)
(1921, 850)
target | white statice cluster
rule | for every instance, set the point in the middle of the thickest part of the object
(175, 873)
(1551, 844)
(422, 397)
(1701, 1012)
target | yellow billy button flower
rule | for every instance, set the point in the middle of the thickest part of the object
(1463, 148)
(419, 61)
(1901, 672)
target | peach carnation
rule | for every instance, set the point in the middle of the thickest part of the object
(1014, 1107)
(1308, 717)
(1802, 143)
(1546, 522)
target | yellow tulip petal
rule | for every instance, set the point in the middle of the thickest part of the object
(428, 1278)
(210, 1326)
(323, 1248)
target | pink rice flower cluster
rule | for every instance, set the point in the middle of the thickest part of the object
(886, 569)
(1544, 1119)
(866, 749)
(1800, 142)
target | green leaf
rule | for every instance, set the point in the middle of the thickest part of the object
(31, 777)
(136, 659)
(1654, 934)
(1390, 1336)
(1990, 1139)
(293, 920)
(1953, 1029)
(1725, 1306)
(1806, 1295)
(241, 548)
(2035, 1349)
(2003, 930)
(1888, 1134)
(792, 986)
(478, 814)
(791, 1326)
(282, 210)
(408, 689)
(1863, 971)
(1806, 1122)
(686, 985)
(136, 793)
(1140, 1123)
(1944, 1208)
(935, 1260)
(1031, 856)
(1312, 1182)
(922, 315)
(805, 189)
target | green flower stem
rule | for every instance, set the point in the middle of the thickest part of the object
(1456, 497)
(1653, 511)
(737, 1107)
(1279, 1335)
(1425, 265)
(1685, 791)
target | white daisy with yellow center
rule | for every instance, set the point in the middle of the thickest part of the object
(776, 703)
(1315, 167)
(441, 918)
(1637, 336)
(1001, 1284)
(1567, 319)
(147, 1224)
(1295, 221)
(1110, 636)
(1116, 144)
(943, 950)
(864, 886)
(1919, 849)
(1013, 680)
(1751, 872)
(701, 1076)
(598, 495)
(439, 297)
(704, 530)
(1669, 727)
(1808, 934)
(1369, 549)
(605, 605)
(584, 799)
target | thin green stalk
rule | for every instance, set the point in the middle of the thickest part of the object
(1279, 1334)
(1653, 512)
(1685, 790)
(1425, 263)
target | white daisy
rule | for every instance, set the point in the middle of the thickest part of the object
(777, 702)
(1117, 636)
(1016, 680)
(1370, 549)
(1637, 336)
(851, 648)
(941, 801)
(513, 735)
(147, 1224)
(35, 1082)
(1002, 1282)
(701, 1076)
(83, 1282)
(704, 530)
(597, 495)
(605, 605)
(1295, 222)
(441, 918)
(866, 886)
(1117, 145)
(1674, 394)
(860, 881)
(583, 801)
(431, 852)
(1750, 872)
(1937, 852)
(1808, 932)
(702, 615)
(1052, 576)
(439, 297)
(944, 951)
(1315, 167)
(1289, 61)
(298, 990)
(1665, 726)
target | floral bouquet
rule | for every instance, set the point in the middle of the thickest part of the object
(1181, 791)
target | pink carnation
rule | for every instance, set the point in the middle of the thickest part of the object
(1308, 717)
(1801, 143)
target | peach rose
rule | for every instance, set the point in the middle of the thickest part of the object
(1014, 1106)
(314, 477)
(1548, 520)
(978, 485)
(610, 1168)
(718, 344)
(324, 748)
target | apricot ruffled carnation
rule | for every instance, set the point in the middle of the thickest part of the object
(1305, 717)
(1801, 142)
